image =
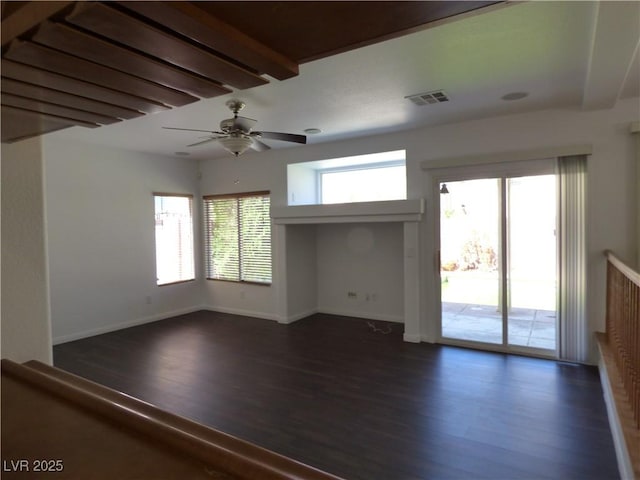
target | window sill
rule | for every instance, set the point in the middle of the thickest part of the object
(385, 211)
(175, 283)
(243, 282)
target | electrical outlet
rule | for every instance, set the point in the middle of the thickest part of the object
(352, 295)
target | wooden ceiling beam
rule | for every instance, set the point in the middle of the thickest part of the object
(117, 26)
(46, 117)
(28, 16)
(43, 94)
(187, 19)
(19, 124)
(55, 61)
(53, 109)
(112, 103)
(69, 40)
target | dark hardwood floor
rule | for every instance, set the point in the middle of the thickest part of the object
(331, 392)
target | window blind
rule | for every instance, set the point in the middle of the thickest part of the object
(574, 331)
(238, 237)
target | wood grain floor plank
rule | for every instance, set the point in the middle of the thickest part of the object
(330, 392)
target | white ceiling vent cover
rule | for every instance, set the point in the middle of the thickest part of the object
(427, 98)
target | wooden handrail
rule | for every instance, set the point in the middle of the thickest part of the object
(619, 363)
(222, 453)
(628, 272)
(623, 327)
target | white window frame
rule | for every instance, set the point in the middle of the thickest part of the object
(304, 179)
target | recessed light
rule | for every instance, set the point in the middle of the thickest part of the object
(515, 96)
(312, 131)
(182, 154)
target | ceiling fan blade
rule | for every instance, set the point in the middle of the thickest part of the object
(243, 123)
(189, 129)
(259, 146)
(287, 137)
(203, 142)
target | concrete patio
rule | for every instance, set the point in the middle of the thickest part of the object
(483, 323)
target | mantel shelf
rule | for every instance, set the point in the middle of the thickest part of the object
(386, 211)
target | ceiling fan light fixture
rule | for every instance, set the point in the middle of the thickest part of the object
(236, 134)
(236, 144)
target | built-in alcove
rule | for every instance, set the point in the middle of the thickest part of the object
(378, 240)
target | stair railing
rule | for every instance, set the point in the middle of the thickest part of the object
(623, 327)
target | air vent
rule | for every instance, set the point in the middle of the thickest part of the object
(427, 98)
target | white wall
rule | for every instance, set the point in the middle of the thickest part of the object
(302, 271)
(101, 238)
(26, 326)
(302, 185)
(611, 180)
(366, 259)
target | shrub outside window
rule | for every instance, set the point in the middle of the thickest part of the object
(238, 237)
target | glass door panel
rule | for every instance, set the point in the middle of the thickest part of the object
(469, 261)
(531, 253)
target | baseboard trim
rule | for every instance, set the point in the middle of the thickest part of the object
(298, 316)
(367, 315)
(242, 312)
(234, 311)
(412, 337)
(122, 325)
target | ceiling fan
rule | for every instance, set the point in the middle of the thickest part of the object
(236, 134)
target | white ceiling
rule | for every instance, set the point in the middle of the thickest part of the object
(574, 55)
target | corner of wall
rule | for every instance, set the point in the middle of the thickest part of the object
(26, 318)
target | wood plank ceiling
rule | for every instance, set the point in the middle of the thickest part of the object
(97, 63)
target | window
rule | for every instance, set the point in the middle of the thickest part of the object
(238, 237)
(365, 183)
(362, 178)
(174, 238)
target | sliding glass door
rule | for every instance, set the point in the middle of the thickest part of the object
(531, 261)
(469, 261)
(498, 257)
